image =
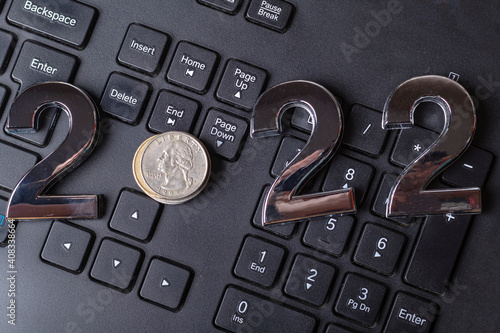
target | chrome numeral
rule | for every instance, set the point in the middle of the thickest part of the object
(28, 200)
(408, 196)
(281, 203)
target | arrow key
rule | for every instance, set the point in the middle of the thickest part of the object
(166, 284)
(310, 280)
(67, 246)
(379, 248)
(135, 215)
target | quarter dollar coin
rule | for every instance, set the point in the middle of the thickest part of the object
(172, 167)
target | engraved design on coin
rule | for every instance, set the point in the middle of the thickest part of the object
(172, 167)
(176, 161)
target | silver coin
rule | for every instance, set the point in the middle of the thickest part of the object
(172, 167)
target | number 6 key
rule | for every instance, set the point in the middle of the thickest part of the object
(408, 196)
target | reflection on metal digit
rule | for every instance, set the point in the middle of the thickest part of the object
(281, 204)
(408, 196)
(28, 200)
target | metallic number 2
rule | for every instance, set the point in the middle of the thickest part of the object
(28, 200)
(281, 203)
(407, 196)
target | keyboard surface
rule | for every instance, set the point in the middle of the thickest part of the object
(209, 265)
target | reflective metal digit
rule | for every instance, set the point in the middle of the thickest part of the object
(28, 200)
(408, 196)
(281, 203)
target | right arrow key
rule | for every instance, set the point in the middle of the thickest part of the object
(379, 248)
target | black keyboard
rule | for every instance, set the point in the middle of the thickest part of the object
(210, 265)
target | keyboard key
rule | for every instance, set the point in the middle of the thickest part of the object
(6, 47)
(380, 202)
(67, 246)
(310, 280)
(125, 97)
(241, 84)
(223, 134)
(4, 224)
(116, 265)
(173, 112)
(329, 234)
(166, 284)
(66, 21)
(241, 311)
(37, 63)
(470, 170)
(259, 261)
(193, 67)
(301, 119)
(4, 93)
(228, 6)
(436, 252)
(273, 14)
(135, 215)
(363, 131)
(14, 164)
(143, 49)
(347, 172)
(289, 148)
(411, 314)
(361, 299)
(411, 143)
(379, 249)
(47, 121)
(285, 230)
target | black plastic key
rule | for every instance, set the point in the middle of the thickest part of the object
(273, 14)
(379, 248)
(363, 131)
(193, 67)
(66, 21)
(173, 112)
(310, 280)
(361, 299)
(228, 6)
(471, 169)
(241, 311)
(125, 97)
(224, 133)
(37, 63)
(166, 284)
(241, 84)
(67, 246)
(6, 47)
(135, 215)
(15, 163)
(347, 172)
(259, 261)
(411, 143)
(116, 265)
(329, 234)
(411, 314)
(436, 252)
(289, 148)
(143, 49)
(337, 329)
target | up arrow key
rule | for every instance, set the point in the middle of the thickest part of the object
(165, 283)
